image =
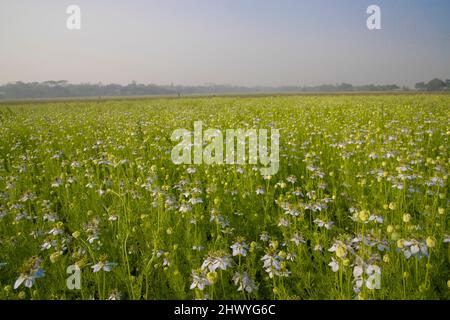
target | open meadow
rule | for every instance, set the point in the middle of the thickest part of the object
(92, 205)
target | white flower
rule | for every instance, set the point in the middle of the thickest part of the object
(46, 245)
(322, 224)
(291, 179)
(114, 295)
(334, 265)
(366, 274)
(357, 271)
(28, 278)
(214, 262)
(274, 265)
(199, 280)
(378, 219)
(184, 208)
(297, 239)
(283, 222)
(239, 248)
(264, 236)
(57, 183)
(191, 170)
(244, 282)
(260, 191)
(56, 231)
(103, 265)
(195, 201)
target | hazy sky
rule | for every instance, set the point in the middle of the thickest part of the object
(243, 42)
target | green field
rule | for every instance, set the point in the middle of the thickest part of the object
(359, 208)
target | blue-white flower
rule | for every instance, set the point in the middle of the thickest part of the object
(239, 249)
(244, 282)
(103, 265)
(215, 261)
(199, 280)
(34, 271)
(334, 265)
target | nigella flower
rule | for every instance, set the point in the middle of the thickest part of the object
(366, 274)
(57, 183)
(291, 179)
(334, 265)
(184, 207)
(318, 247)
(275, 265)
(92, 228)
(244, 282)
(217, 218)
(115, 295)
(297, 192)
(260, 191)
(195, 201)
(291, 256)
(50, 217)
(198, 248)
(75, 164)
(378, 219)
(3, 212)
(166, 262)
(323, 224)
(217, 260)
(413, 248)
(103, 265)
(191, 170)
(239, 248)
(199, 280)
(264, 236)
(339, 248)
(30, 272)
(58, 156)
(297, 239)
(56, 231)
(48, 244)
(283, 222)
(113, 217)
(446, 239)
(27, 196)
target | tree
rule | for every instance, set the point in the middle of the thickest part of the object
(420, 86)
(435, 85)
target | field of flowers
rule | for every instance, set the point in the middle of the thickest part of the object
(359, 208)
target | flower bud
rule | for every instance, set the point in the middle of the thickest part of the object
(212, 277)
(406, 218)
(431, 242)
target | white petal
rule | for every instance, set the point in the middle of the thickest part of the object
(357, 271)
(19, 282)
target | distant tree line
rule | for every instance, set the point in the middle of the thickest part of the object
(434, 85)
(64, 89)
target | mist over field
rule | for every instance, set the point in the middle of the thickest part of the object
(240, 43)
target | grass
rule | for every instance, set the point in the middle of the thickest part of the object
(361, 195)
